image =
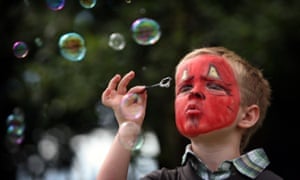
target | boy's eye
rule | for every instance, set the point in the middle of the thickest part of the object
(185, 88)
(216, 88)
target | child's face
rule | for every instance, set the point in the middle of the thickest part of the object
(207, 95)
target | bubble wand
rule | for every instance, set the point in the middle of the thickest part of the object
(131, 105)
(164, 83)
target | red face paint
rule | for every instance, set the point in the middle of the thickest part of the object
(207, 95)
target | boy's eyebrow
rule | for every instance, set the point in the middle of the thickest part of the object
(186, 79)
(207, 78)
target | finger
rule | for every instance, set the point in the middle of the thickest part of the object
(113, 82)
(122, 87)
(105, 94)
(141, 91)
(110, 87)
(138, 89)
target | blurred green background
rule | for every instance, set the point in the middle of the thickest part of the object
(266, 33)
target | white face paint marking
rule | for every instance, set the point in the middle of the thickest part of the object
(212, 72)
(185, 75)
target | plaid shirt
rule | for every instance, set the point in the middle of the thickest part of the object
(250, 164)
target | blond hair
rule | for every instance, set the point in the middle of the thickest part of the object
(254, 88)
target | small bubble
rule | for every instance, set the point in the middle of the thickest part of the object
(15, 133)
(56, 5)
(20, 49)
(88, 4)
(117, 41)
(38, 41)
(142, 11)
(15, 127)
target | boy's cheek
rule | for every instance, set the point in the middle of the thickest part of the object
(218, 114)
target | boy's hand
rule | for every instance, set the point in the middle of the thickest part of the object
(116, 90)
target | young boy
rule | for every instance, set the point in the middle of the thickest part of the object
(221, 100)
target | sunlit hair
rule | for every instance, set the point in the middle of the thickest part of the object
(254, 88)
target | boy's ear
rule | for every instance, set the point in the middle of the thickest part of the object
(249, 117)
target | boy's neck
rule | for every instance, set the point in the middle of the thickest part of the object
(212, 154)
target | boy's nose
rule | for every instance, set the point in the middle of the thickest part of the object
(196, 91)
(197, 94)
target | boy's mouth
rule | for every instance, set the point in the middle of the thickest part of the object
(193, 109)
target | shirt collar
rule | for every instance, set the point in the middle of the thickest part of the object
(250, 164)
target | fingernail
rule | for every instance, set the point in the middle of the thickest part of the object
(131, 73)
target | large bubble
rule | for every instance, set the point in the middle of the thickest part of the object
(20, 49)
(130, 136)
(131, 106)
(72, 46)
(145, 31)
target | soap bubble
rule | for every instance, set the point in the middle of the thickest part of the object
(38, 42)
(20, 49)
(15, 133)
(131, 106)
(145, 31)
(15, 127)
(72, 46)
(130, 135)
(88, 4)
(56, 5)
(116, 41)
